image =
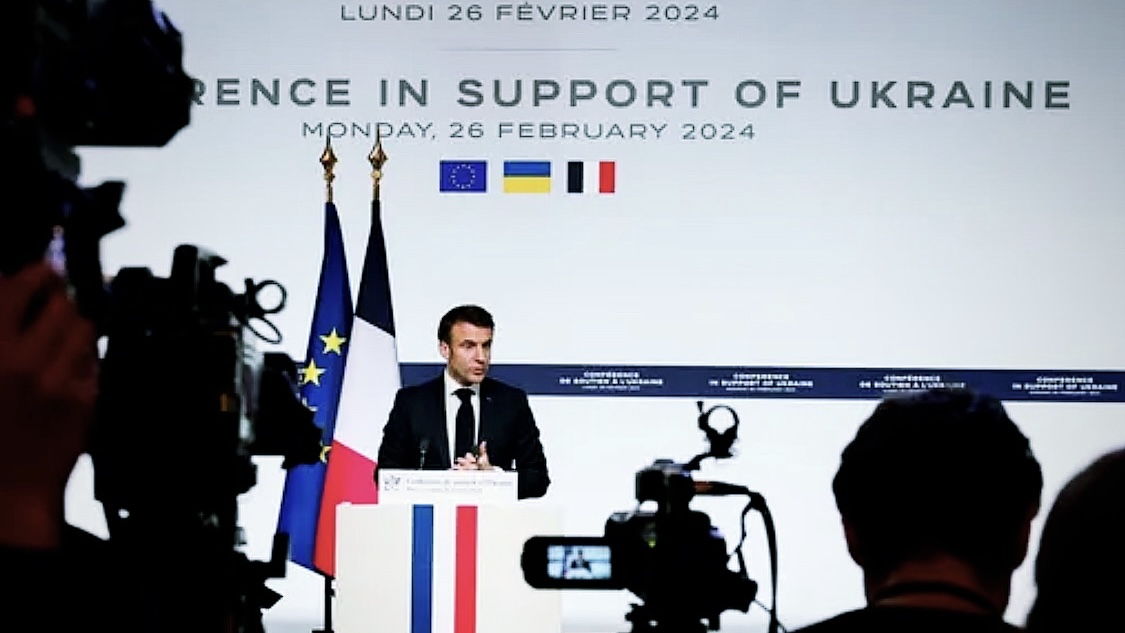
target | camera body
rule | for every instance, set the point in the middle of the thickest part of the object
(76, 73)
(671, 557)
(186, 401)
(181, 350)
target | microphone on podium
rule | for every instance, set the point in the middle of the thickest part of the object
(422, 447)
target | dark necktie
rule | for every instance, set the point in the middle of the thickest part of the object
(463, 443)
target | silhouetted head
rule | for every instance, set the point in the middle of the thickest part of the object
(938, 472)
(1081, 561)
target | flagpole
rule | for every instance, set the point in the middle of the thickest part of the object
(328, 162)
(329, 593)
(377, 157)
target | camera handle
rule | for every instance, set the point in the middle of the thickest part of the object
(253, 312)
(720, 443)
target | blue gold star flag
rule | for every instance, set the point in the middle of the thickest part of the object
(463, 176)
(320, 381)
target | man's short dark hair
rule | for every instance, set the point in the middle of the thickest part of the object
(473, 315)
(939, 471)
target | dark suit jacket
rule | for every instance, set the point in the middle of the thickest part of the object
(417, 421)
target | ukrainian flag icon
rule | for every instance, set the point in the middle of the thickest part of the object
(527, 176)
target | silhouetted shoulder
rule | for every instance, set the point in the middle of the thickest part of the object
(912, 620)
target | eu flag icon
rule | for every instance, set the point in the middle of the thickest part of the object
(463, 176)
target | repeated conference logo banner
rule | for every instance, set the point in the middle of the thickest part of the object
(823, 383)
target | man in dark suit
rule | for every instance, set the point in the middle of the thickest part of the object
(463, 419)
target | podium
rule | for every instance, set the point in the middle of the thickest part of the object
(440, 553)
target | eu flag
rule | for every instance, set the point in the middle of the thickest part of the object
(463, 176)
(320, 380)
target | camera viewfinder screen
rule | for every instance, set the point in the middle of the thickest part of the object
(578, 562)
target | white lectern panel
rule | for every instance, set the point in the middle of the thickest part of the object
(442, 568)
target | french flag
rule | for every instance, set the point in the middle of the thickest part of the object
(370, 383)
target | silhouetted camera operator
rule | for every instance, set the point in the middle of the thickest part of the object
(180, 382)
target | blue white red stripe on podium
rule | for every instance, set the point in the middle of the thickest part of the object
(442, 602)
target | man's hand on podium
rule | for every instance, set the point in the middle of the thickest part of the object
(478, 461)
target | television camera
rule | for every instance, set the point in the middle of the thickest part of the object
(670, 557)
(185, 399)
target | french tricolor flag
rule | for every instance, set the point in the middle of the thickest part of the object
(602, 178)
(370, 383)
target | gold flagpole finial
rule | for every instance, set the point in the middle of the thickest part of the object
(328, 161)
(377, 157)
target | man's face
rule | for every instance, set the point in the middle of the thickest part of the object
(468, 352)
